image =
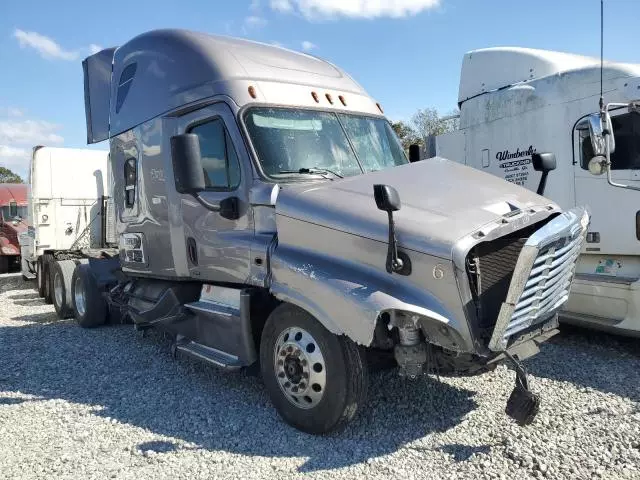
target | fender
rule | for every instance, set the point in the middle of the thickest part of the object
(347, 298)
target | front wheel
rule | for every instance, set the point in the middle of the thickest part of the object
(316, 380)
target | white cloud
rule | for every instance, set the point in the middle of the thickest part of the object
(307, 46)
(29, 133)
(11, 112)
(254, 21)
(48, 48)
(254, 6)
(45, 46)
(318, 9)
(18, 137)
(12, 152)
(281, 5)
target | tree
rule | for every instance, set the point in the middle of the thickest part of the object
(429, 122)
(406, 133)
(7, 176)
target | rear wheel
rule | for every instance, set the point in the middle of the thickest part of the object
(89, 306)
(316, 380)
(47, 261)
(40, 277)
(62, 273)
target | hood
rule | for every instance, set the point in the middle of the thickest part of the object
(15, 227)
(442, 202)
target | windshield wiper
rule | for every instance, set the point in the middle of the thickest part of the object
(313, 171)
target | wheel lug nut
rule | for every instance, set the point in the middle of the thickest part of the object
(305, 375)
(280, 362)
(281, 375)
(294, 389)
(287, 385)
(303, 362)
(289, 349)
(301, 385)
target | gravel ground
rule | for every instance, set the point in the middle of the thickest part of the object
(108, 403)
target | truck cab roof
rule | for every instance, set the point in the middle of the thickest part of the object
(489, 69)
(164, 70)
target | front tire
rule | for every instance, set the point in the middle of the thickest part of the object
(89, 306)
(316, 380)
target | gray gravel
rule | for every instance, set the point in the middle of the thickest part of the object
(108, 403)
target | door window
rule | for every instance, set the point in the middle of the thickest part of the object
(220, 162)
(626, 129)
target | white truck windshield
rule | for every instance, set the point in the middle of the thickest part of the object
(290, 142)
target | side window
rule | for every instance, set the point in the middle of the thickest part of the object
(626, 129)
(130, 181)
(219, 159)
(125, 84)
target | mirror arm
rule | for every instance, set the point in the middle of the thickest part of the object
(608, 167)
(209, 206)
(394, 262)
(543, 182)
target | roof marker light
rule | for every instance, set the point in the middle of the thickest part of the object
(329, 98)
(315, 97)
(252, 92)
(342, 100)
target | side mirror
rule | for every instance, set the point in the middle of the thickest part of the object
(543, 162)
(187, 167)
(387, 198)
(414, 153)
(597, 165)
(601, 132)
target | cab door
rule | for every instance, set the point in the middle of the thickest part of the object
(218, 243)
(615, 212)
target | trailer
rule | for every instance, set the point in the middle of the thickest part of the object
(266, 214)
(67, 214)
(13, 215)
(515, 102)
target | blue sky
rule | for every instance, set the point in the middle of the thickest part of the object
(406, 53)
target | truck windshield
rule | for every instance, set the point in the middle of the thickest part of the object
(293, 142)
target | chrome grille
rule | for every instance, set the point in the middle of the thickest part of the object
(542, 276)
(548, 285)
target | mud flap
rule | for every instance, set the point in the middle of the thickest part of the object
(523, 405)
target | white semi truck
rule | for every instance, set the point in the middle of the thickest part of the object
(67, 218)
(515, 102)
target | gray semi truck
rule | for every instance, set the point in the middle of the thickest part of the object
(267, 214)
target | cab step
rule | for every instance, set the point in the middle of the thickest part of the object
(207, 354)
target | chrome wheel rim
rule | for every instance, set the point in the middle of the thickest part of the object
(300, 367)
(79, 296)
(58, 289)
